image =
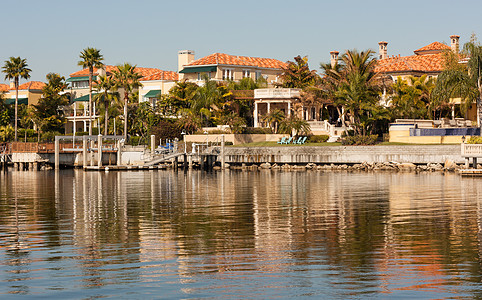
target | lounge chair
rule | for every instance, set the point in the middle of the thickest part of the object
(298, 140)
(282, 140)
(302, 140)
(289, 140)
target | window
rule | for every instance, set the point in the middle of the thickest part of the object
(80, 84)
(228, 74)
(258, 75)
(200, 76)
(246, 73)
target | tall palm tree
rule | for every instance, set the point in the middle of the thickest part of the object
(127, 79)
(104, 85)
(358, 91)
(90, 58)
(14, 69)
(465, 83)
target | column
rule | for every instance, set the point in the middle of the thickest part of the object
(289, 108)
(223, 160)
(99, 150)
(57, 154)
(153, 144)
(255, 114)
(84, 152)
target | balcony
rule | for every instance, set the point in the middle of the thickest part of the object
(276, 93)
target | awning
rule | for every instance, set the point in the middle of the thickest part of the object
(84, 98)
(82, 78)
(152, 93)
(20, 101)
(199, 69)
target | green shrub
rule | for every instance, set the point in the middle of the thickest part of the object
(136, 140)
(318, 138)
(359, 140)
(49, 136)
(166, 130)
(228, 143)
(475, 140)
(81, 133)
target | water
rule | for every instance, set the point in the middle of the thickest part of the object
(268, 235)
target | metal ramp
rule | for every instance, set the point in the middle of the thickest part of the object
(158, 160)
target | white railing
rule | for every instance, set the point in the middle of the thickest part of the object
(276, 93)
(471, 150)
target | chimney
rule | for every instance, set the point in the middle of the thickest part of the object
(184, 57)
(334, 58)
(454, 43)
(382, 50)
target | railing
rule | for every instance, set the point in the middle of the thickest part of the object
(471, 150)
(277, 93)
(18, 147)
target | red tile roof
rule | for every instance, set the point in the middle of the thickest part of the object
(31, 85)
(226, 59)
(435, 46)
(110, 69)
(4, 87)
(426, 59)
(421, 63)
(162, 75)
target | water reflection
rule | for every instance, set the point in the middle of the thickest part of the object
(260, 234)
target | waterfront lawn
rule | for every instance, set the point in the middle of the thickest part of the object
(275, 144)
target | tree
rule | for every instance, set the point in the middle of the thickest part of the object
(180, 96)
(359, 86)
(297, 74)
(14, 69)
(294, 125)
(463, 82)
(47, 110)
(406, 101)
(104, 85)
(90, 58)
(274, 118)
(127, 79)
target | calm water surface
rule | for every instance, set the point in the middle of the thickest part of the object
(162, 234)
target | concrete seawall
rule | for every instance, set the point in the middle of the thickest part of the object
(417, 154)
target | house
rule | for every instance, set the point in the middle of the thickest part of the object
(224, 67)
(28, 93)
(155, 84)
(78, 113)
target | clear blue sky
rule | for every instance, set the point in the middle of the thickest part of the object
(50, 34)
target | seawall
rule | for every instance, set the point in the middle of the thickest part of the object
(417, 154)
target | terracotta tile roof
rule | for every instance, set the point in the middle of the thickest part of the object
(433, 47)
(162, 75)
(4, 87)
(416, 63)
(427, 59)
(31, 85)
(226, 59)
(85, 72)
(109, 69)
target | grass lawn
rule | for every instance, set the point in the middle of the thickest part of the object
(275, 144)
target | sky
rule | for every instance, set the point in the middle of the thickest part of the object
(50, 34)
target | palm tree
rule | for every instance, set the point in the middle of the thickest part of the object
(274, 118)
(105, 84)
(465, 83)
(297, 74)
(358, 91)
(14, 69)
(126, 78)
(91, 58)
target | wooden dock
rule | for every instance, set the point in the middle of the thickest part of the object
(470, 172)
